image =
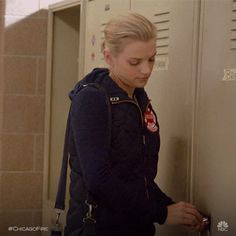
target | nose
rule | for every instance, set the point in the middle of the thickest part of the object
(146, 68)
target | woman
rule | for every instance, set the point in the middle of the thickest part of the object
(114, 142)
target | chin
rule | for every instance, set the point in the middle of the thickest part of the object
(141, 84)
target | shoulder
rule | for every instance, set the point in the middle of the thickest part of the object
(90, 98)
(90, 92)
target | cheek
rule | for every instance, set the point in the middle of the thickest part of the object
(130, 73)
(131, 70)
(126, 70)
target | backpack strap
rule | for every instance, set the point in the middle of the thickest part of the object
(61, 191)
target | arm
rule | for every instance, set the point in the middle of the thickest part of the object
(91, 131)
(160, 195)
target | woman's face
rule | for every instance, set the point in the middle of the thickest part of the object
(134, 64)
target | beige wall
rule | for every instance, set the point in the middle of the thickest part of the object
(23, 29)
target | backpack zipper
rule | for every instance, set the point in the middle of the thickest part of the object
(144, 139)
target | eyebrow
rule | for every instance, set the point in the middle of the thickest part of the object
(135, 58)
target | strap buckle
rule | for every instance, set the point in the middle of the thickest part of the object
(89, 217)
(57, 225)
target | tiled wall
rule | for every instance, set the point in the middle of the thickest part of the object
(23, 34)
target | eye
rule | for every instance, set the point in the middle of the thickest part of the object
(133, 63)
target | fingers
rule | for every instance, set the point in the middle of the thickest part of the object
(184, 214)
(194, 212)
(192, 228)
(193, 220)
(187, 215)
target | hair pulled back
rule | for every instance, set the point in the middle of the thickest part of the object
(131, 26)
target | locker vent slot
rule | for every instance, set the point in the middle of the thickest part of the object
(233, 27)
(162, 21)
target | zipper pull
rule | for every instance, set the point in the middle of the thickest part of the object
(144, 139)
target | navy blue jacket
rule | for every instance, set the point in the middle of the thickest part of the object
(113, 156)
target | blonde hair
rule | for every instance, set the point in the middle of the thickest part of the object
(130, 26)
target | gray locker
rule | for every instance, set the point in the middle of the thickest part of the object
(215, 128)
(98, 12)
(193, 90)
(171, 90)
(63, 70)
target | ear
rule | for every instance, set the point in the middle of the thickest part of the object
(108, 57)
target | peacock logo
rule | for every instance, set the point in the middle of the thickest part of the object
(223, 226)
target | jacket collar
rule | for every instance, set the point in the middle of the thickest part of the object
(101, 76)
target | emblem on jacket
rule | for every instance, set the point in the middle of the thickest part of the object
(150, 120)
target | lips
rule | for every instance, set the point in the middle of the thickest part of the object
(144, 78)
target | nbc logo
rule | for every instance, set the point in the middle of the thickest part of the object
(223, 226)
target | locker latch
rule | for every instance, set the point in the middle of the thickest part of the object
(206, 223)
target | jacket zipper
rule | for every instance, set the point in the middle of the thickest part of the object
(144, 139)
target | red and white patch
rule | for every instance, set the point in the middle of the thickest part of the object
(150, 120)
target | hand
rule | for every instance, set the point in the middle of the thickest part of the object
(185, 214)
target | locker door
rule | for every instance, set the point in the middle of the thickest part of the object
(216, 115)
(171, 89)
(62, 73)
(98, 12)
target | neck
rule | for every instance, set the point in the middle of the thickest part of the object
(129, 90)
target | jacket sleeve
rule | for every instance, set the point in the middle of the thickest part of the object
(160, 195)
(91, 131)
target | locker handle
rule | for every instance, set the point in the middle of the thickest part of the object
(206, 221)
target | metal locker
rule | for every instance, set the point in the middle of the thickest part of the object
(193, 89)
(215, 129)
(98, 12)
(171, 89)
(63, 70)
